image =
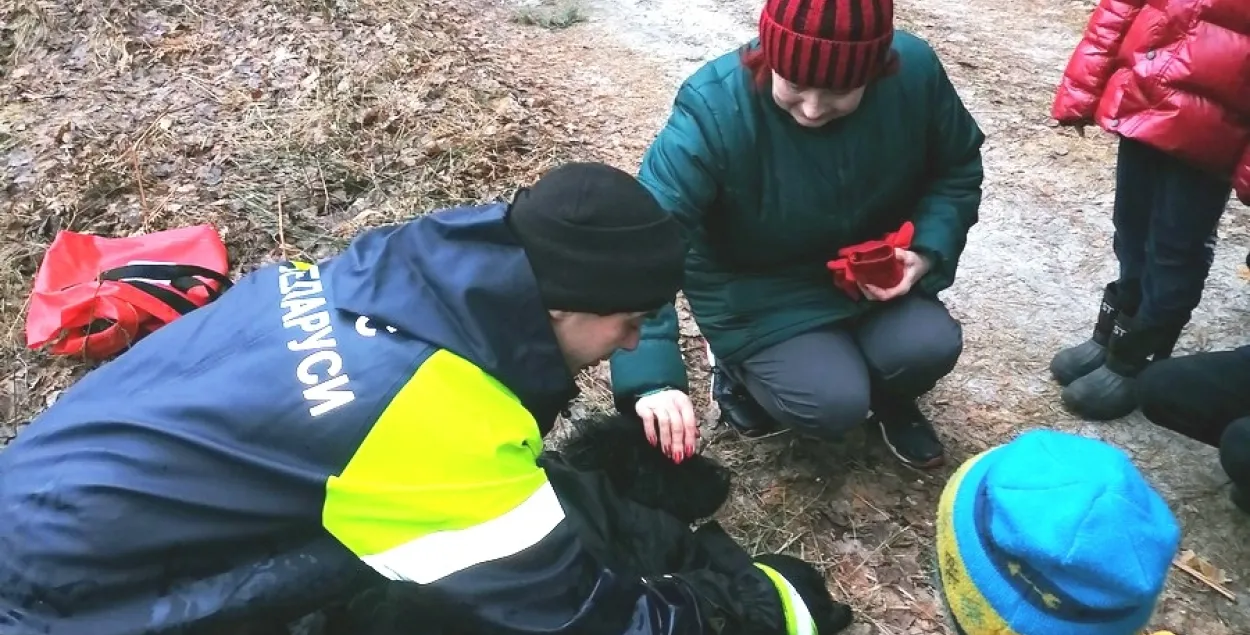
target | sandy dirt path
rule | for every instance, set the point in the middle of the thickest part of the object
(1028, 283)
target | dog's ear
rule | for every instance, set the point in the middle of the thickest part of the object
(830, 615)
(605, 442)
(616, 444)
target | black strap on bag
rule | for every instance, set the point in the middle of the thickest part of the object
(181, 277)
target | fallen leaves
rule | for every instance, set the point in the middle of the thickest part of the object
(1203, 571)
(1211, 572)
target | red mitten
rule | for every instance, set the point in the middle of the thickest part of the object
(874, 263)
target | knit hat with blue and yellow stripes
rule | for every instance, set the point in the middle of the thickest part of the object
(1052, 534)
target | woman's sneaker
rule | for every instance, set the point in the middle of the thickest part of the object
(910, 436)
(737, 407)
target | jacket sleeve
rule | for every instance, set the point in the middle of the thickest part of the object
(681, 169)
(949, 205)
(447, 501)
(1089, 69)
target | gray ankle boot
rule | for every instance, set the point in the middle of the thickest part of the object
(1075, 362)
(1110, 391)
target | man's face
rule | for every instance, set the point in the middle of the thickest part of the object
(814, 107)
(587, 339)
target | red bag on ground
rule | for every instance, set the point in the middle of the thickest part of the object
(95, 296)
(872, 262)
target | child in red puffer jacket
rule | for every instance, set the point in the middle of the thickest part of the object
(1172, 79)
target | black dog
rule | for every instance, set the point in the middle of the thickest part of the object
(632, 508)
(692, 490)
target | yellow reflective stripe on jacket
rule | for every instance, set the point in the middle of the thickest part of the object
(445, 479)
(798, 619)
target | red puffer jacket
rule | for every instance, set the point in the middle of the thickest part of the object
(1174, 74)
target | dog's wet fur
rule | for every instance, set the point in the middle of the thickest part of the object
(617, 445)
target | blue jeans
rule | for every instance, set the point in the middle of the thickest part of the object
(1167, 213)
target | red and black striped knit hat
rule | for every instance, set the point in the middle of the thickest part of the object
(836, 44)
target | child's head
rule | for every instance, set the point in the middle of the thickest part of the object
(1052, 534)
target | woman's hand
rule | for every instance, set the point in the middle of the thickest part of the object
(914, 268)
(668, 419)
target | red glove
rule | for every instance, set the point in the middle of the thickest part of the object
(872, 262)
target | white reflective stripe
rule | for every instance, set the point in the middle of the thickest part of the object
(443, 553)
(803, 624)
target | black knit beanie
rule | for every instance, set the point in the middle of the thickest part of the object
(598, 241)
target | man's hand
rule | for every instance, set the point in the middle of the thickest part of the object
(668, 418)
(914, 268)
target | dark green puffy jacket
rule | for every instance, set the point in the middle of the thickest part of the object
(765, 203)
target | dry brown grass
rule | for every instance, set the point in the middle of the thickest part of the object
(290, 125)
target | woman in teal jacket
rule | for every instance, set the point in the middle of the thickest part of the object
(781, 160)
